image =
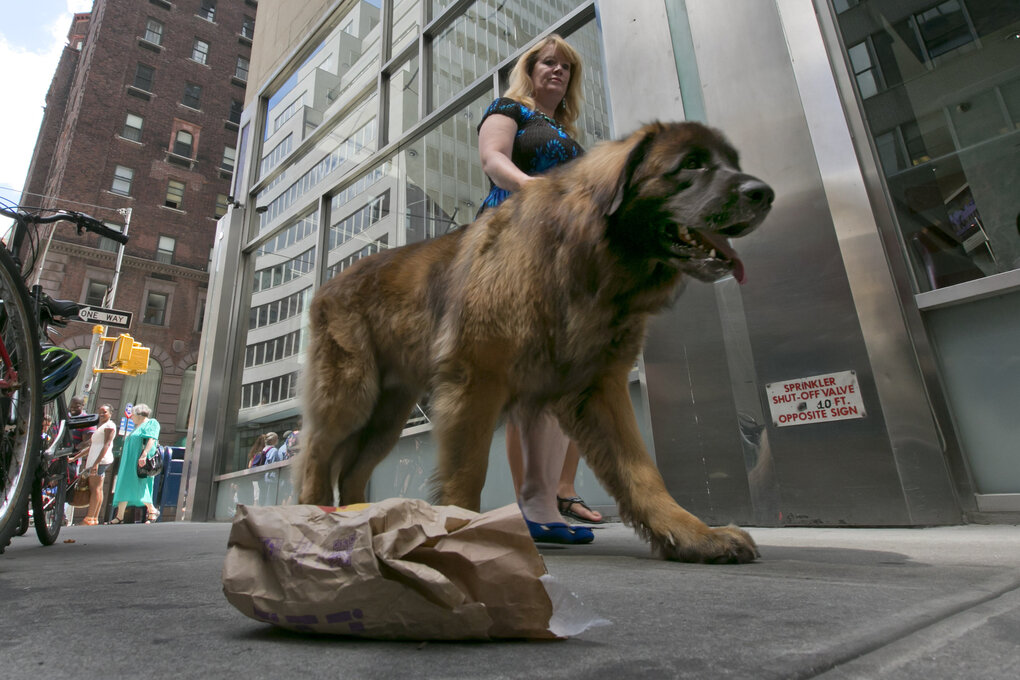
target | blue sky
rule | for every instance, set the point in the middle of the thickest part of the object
(32, 34)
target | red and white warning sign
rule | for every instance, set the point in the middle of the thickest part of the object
(818, 399)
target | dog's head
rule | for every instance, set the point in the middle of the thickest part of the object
(681, 196)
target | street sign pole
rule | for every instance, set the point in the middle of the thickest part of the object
(95, 349)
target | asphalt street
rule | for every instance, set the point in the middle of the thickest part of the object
(146, 602)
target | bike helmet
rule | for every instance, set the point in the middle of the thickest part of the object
(59, 369)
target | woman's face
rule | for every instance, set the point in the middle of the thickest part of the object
(550, 75)
(104, 414)
(137, 417)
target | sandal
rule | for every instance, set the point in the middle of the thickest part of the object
(558, 532)
(151, 517)
(88, 521)
(564, 505)
(116, 520)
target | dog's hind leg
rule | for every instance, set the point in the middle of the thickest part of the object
(467, 409)
(376, 439)
(601, 421)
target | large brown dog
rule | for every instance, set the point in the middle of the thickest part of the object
(540, 303)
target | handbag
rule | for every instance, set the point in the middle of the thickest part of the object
(80, 496)
(153, 464)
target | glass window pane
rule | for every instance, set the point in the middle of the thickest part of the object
(405, 23)
(867, 85)
(143, 77)
(122, 178)
(155, 308)
(978, 117)
(132, 128)
(154, 32)
(486, 33)
(338, 72)
(200, 51)
(96, 293)
(943, 135)
(192, 96)
(241, 71)
(404, 86)
(174, 194)
(350, 141)
(183, 143)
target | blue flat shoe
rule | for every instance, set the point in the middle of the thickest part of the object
(558, 532)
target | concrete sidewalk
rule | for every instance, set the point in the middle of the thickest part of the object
(145, 602)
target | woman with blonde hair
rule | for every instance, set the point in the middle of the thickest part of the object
(527, 131)
(530, 129)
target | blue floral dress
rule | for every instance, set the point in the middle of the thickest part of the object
(540, 144)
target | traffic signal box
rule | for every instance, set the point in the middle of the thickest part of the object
(127, 357)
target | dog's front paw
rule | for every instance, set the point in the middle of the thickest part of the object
(723, 545)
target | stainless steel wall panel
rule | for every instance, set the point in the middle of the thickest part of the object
(819, 300)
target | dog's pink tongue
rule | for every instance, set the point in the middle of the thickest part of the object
(738, 271)
(723, 246)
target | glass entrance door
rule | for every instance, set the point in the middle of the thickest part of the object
(939, 85)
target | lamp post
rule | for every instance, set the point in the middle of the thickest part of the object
(95, 349)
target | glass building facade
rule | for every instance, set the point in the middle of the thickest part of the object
(888, 130)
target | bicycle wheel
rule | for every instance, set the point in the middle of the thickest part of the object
(20, 398)
(49, 490)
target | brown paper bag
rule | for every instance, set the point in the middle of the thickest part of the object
(400, 569)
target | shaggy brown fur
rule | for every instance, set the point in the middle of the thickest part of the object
(540, 303)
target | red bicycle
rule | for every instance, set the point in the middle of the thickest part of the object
(30, 373)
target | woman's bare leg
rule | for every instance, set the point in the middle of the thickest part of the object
(543, 445)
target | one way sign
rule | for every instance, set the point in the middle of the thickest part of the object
(107, 317)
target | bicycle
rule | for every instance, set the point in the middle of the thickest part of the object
(24, 318)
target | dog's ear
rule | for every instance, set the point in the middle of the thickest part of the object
(634, 158)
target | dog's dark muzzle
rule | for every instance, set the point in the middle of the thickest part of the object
(753, 202)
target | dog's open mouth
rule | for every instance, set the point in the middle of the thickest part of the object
(706, 256)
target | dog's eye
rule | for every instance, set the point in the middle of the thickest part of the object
(692, 161)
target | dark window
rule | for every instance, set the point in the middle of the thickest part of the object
(248, 27)
(192, 96)
(241, 70)
(184, 143)
(236, 108)
(132, 128)
(155, 308)
(208, 10)
(96, 293)
(144, 75)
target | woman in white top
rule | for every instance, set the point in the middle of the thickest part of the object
(100, 456)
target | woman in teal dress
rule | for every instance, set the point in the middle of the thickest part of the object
(142, 443)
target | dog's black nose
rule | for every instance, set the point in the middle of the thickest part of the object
(757, 192)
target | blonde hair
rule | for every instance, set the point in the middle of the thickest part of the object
(522, 90)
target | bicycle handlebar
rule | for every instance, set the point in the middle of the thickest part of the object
(82, 221)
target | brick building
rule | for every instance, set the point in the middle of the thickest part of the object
(142, 113)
